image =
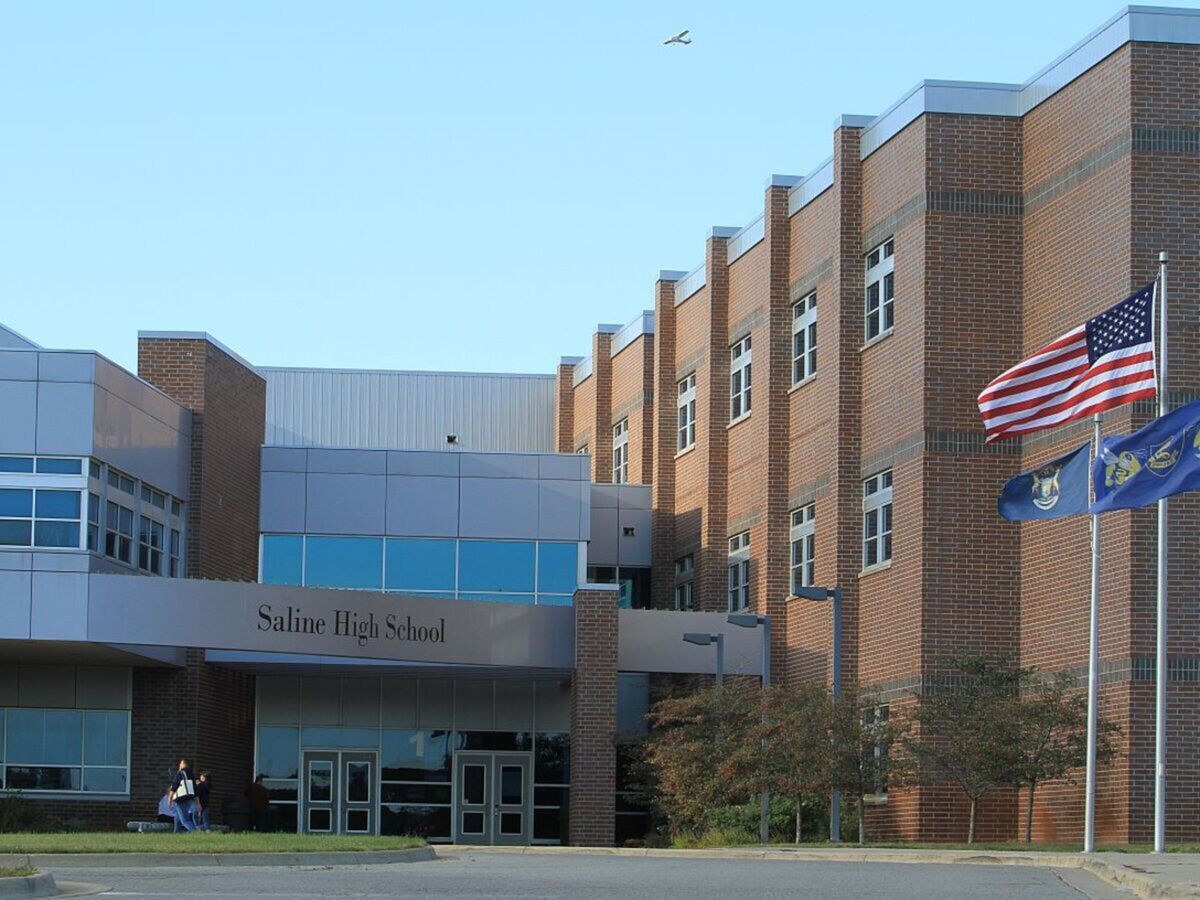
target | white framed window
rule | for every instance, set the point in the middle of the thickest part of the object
(685, 581)
(804, 540)
(881, 289)
(739, 572)
(620, 473)
(804, 338)
(150, 545)
(583, 451)
(42, 502)
(687, 412)
(877, 519)
(739, 379)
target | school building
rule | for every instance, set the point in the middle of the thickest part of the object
(429, 603)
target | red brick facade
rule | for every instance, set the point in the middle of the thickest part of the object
(594, 720)
(1007, 231)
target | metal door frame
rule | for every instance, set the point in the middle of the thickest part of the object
(492, 761)
(338, 804)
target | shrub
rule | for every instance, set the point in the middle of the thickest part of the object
(19, 815)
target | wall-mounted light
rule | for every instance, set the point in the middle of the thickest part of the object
(629, 531)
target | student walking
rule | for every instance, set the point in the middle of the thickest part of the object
(183, 798)
(203, 786)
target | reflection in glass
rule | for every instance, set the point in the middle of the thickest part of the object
(320, 781)
(282, 559)
(358, 782)
(420, 565)
(110, 781)
(278, 752)
(415, 755)
(415, 793)
(358, 821)
(49, 736)
(472, 784)
(319, 819)
(510, 823)
(552, 753)
(105, 738)
(494, 566)
(348, 738)
(472, 823)
(429, 822)
(344, 562)
(512, 785)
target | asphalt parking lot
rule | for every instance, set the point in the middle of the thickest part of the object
(500, 875)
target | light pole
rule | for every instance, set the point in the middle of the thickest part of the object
(834, 594)
(703, 640)
(749, 620)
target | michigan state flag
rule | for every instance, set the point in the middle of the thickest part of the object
(1157, 461)
(1058, 488)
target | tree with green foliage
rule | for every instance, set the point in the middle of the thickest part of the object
(864, 741)
(798, 758)
(962, 728)
(1047, 738)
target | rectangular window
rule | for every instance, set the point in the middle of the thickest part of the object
(150, 545)
(875, 719)
(118, 532)
(739, 572)
(40, 517)
(685, 580)
(739, 379)
(419, 565)
(93, 529)
(176, 548)
(804, 538)
(344, 562)
(620, 473)
(119, 482)
(881, 290)
(804, 338)
(687, 412)
(65, 750)
(877, 519)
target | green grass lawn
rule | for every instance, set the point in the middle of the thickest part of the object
(195, 842)
(18, 872)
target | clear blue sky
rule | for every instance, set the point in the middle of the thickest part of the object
(426, 185)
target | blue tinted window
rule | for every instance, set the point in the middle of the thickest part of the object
(50, 736)
(555, 599)
(415, 755)
(16, 502)
(58, 504)
(278, 752)
(495, 566)
(16, 464)
(109, 781)
(56, 534)
(340, 737)
(60, 466)
(420, 565)
(105, 738)
(557, 568)
(14, 532)
(343, 562)
(500, 597)
(282, 558)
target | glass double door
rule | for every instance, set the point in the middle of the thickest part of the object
(493, 797)
(340, 792)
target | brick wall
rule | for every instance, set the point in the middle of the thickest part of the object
(594, 720)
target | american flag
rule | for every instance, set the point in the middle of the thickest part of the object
(1106, 362)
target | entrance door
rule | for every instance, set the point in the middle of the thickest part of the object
(492, 797)
(339, 792)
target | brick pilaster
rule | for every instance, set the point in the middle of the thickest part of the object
(712, 575)
(666, 424)
(564, 408)
(592, 820)
(601, 447)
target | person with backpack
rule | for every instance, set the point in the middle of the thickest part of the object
(183, 798)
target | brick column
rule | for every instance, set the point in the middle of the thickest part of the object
(564, 405)
(712, 575)
(602, 412)
(594, 719)
(665, 424)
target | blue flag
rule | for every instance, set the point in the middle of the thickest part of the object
(1058, 488)
(1159, 460)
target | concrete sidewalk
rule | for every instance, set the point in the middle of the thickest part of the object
(1149, 875)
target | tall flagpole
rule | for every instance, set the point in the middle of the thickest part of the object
(1089, 807)
(1160, 681)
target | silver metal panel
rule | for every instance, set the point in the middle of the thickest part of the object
(565, 466)
(552, 701)
(558, 510)
(423, 462)
(398, 708)
(641, 325)
(133, 440)
(66, 366)
(603, 544)
(606, 496)
(582, 371)
(344, 504)
(282, 502)
(278, 700)
(347, 462)
(18, 412)
(746, 238)
(144, 396)
(8, 685)
(514, 705)
(320, 700)
(104, 687)
(475, 705)
(633, 550)
(651, 640)
(633, 496)
(10, 338)
(16, 598)
(16, 560)
(360, 702)
(64, 418)
(419, 506)
(690, 283)
(59, 611)
(52, 686)
(18, 365)
(498, 508)
(498, 465)
(58, 561)
(284, 459)
(435, 707)
(147, 611)
(409, 410)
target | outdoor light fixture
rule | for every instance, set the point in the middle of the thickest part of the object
(750, 620)
(629, 531)
(452, 439)
(701, 639)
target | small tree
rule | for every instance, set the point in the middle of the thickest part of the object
(1048, 739)
(798, 756)
(962, 728)
(862, 740)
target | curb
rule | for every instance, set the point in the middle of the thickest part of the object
(225, 860)
(39, 885)
(1145, 884)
